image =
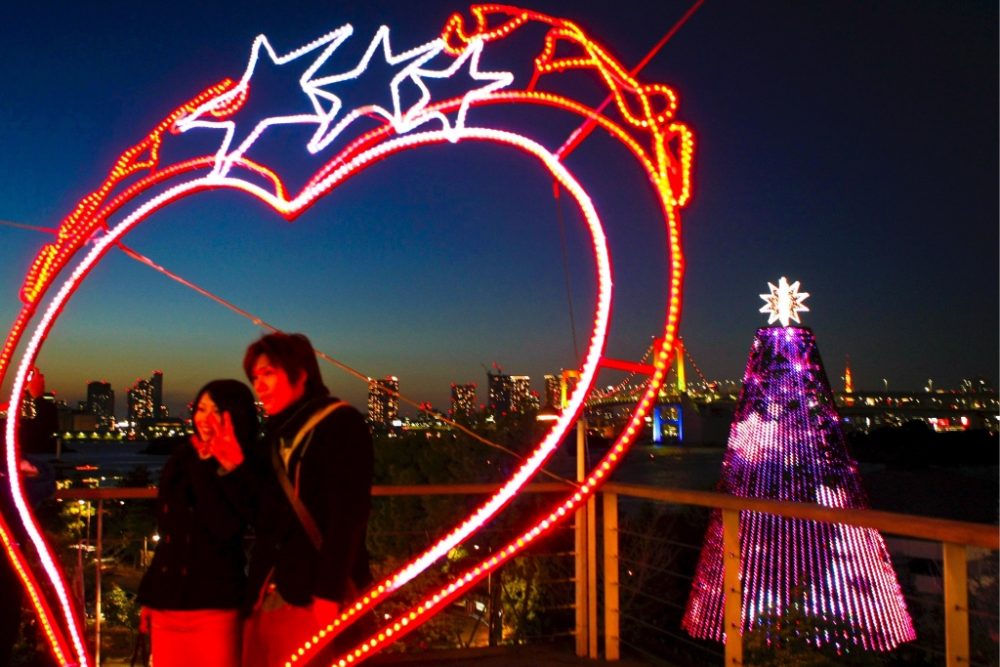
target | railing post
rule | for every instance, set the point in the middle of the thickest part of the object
(956, 604)
(580, 581)
(612, 621)
(732, 587)
(592, 576)
(97, 581)
(581, 569)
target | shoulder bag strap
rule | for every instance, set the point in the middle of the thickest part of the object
(305, 518)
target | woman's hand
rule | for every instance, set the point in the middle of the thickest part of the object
(224, 446)
(144, 620)
(203, 447)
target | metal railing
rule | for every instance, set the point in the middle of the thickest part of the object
(955, 536)
(99, 497)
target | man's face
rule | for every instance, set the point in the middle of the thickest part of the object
(273, 387)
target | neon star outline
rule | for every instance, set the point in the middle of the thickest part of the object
(784, 303)
(420, 54)
(416, 114)
(224, 158)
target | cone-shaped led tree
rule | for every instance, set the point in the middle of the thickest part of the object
(786, 443)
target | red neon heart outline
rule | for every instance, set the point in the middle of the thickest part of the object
(73, 232)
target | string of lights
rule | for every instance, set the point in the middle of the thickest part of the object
(662, 146)
(786, 443)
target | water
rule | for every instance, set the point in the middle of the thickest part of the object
(112, 459)
(673, 466)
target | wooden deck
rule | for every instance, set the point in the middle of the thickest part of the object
(514, 656)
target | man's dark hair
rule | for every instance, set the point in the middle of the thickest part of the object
(291, 352)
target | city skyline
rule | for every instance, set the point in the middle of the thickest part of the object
(383, 408)
(811, 162)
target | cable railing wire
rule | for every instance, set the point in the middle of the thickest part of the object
(640, 592)
(329, 359)
(656, 568)
(676, 637)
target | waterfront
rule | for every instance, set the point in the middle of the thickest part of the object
(112, 459)
(966, 493)
(666, 466)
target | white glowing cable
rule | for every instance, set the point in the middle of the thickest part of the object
(417, 55)
(224, 158)
(417, 115)
(328, 107)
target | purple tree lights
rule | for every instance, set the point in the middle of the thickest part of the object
(786, 444)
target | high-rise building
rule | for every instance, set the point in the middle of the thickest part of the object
(510, 393)
(145, 398)
(383, 401)
(553, 392)
(100, 399)
(521, 398)
(156, 382)
(500, 390)
(463, 400)
(28, 408)
(140, 400)
(100, 403)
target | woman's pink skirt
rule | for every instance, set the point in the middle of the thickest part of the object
(198, 637)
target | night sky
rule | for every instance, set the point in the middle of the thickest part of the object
(852, 146)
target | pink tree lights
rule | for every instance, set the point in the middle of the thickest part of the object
(786, 443)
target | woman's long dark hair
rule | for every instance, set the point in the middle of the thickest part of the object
(234, 397)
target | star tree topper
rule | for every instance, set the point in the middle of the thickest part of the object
(784, 303)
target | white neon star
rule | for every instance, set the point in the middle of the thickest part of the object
(327, 107)
(784, 303)
(201, 117)
(418, 55)
(417, 113)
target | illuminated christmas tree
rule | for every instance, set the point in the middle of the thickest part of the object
(786, 443)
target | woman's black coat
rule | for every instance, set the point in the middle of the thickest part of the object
(199, 561)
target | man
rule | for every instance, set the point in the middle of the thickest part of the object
(314, 467)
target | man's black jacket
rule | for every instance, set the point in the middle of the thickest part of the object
(334, 471)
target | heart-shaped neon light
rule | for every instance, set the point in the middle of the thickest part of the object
(129, 190)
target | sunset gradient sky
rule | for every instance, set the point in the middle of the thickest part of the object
(849, 145)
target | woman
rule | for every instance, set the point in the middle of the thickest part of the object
(193, 590)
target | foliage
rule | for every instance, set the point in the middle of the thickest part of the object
(127, 523)
(119, 607)
(787, 637)
(656, 542)
(403, 526)
(537, 589)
